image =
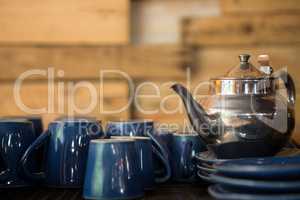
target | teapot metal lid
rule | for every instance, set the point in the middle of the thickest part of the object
(244, 79)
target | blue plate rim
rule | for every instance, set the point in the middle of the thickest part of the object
(206, 169)
(210, 161)
(229, 195)
(242, 166)
(264, 185)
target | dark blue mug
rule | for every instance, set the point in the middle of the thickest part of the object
(112, 170)
(35, 119)
(16, 136)
(184, 148)
(65, 157)
(142, 128)
(144, 151)
(38, 130)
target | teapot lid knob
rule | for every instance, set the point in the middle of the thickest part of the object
(244, 61)
(244, 57)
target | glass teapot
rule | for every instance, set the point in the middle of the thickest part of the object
(244, 115)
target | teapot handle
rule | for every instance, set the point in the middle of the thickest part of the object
(290, 86)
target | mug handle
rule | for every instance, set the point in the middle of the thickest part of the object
(158, 145)
(188, 164)
(163, 156)
(4, 175)
(41, 140)
(166, 164)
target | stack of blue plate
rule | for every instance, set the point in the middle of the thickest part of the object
(276, 178)
(205, 162)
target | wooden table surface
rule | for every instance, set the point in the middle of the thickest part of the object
(162, 192)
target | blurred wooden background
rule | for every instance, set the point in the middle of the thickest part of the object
(158, 41)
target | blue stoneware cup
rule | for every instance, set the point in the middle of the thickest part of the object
(66, 143)
(38, 130)
(184, 148)
(142, 128)
(113, 171)
(144, 151)
(15, 137)
(36, 121)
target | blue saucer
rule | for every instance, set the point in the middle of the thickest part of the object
(261, 168)
(205, 177)
(208, 170)
(219, 192)
(249, 185)
(208, 157)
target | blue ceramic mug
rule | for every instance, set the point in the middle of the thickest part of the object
(67, 144)
(38, 130)
(35, 119)
(144, 151)
(184, 148)
(15, 137)
(142, 128)
(112, 170)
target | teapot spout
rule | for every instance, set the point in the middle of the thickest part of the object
(205, 125)
(202, 123)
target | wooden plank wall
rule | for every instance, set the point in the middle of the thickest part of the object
(142, 62)
(72, 38)
(69, 98)
(159, 21)
(155, 100)
(79, 62)
(64, 22)
(242, 30)
(259, 6)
